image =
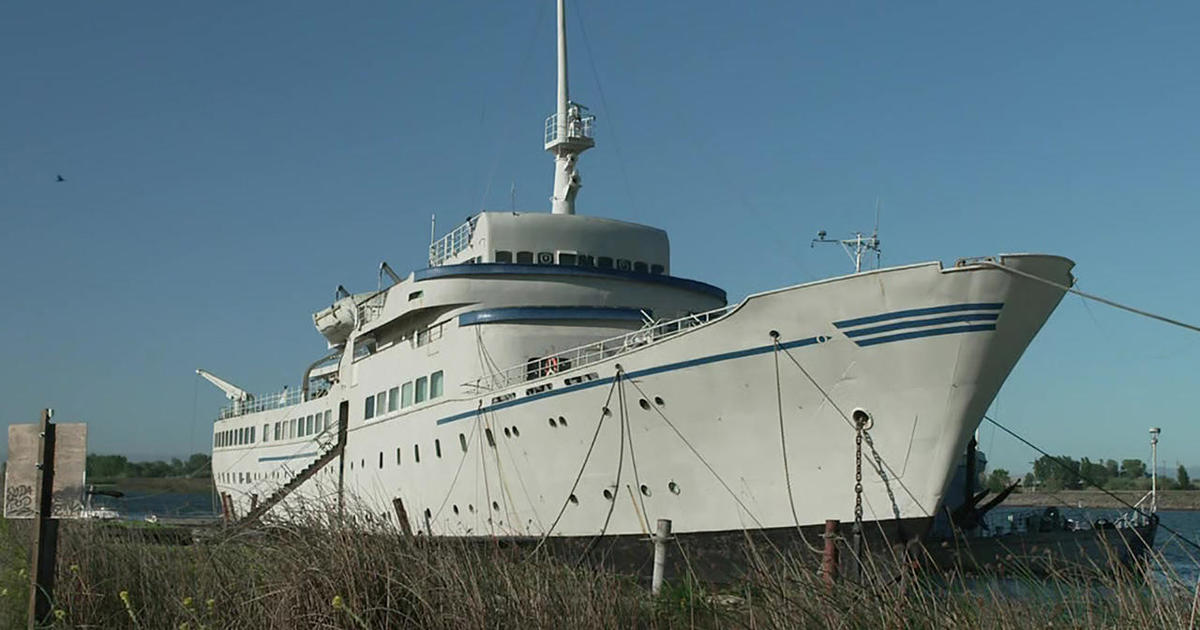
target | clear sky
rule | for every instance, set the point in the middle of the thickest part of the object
(228, 165)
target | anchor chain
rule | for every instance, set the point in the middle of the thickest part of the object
(882, 474)
(858, 487)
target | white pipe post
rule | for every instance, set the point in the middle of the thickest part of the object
(562, 70)
(661, 535)
(1154, 469)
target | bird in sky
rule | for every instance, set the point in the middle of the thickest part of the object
(60, 178)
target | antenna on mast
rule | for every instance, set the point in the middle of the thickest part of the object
(568, 131)
(858, 245)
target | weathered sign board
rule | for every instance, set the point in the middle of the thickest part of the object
(20, 479)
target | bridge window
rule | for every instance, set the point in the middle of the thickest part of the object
(503, 256)
(393, 399)
(369, 408)
(380, 403)
(525, 258)
(604, 262)
(566, 259)
(657, 269)
(641, 267)
(252, 434)
(586, 261)
(266, 432)
(309, 428)
(422, 390)
(406, 394)
(435, 384)
(328, 413)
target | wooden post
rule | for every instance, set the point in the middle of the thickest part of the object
(402, 516)
(662, 534)
(45, 540)
(829, 560)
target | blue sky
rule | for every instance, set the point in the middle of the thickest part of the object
(228, 165)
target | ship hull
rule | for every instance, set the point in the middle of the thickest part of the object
(694, 427)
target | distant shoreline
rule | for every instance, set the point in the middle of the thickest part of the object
(179, 485)
(1167, 499)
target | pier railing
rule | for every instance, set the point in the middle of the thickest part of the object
(594, 352)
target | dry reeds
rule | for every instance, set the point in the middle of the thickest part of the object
(307, 574)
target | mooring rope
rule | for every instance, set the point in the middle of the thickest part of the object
(1090, 296)
(612, 503)
(787, 474)
(1092, 482)
(575, 485)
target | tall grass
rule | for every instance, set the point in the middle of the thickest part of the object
(309, 575)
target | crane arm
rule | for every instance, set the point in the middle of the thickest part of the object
(232, 392)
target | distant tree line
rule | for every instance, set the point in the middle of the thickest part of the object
(119, 467)
(1129, 474)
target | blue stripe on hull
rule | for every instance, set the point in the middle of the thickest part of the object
(929, 332)
(922, 323)
(280, 458)
(932, 310)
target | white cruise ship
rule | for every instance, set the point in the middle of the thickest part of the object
(548, 375)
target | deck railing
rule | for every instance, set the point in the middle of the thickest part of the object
(594, 352)
(278, 400)
(454, 242)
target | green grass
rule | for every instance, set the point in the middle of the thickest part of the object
(309, 575)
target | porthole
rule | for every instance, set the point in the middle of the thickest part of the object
(455, 508)
(573, 499)
(462, 441)
(659, 401)
(553, 424)
(495, 506)
(606, 412)
(673, 487)
(645, 490)
(608, 495)
(507, 433)
(516, 432)
(471, 508)
(645, 404)
(562, 422)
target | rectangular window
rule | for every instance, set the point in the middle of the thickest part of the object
(252, 435)
(586, 261)
(657, 269)
(604, 262)
(310, 428)
(328, 413)
(291, 428)
(414, 295)
(525, 258)
(266, 432)
(462, 441)
(503, 256)
(393, 399)
(397, 455)
(369, 408)
(640, 267)
(422, 390)
(437, 447)
(417, 453)
(277, 431)
(566, 259)
(406, 394)
(381, 403)
(435, 384)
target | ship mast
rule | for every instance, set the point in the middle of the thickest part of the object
(568, 131)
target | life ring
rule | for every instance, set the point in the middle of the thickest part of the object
(551, 366)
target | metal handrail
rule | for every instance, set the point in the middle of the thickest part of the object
(593, 352)
(277, 400)
(456, 241)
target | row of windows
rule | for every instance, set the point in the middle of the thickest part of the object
(411, 393)
(302, 426)
(577, 260)
(233, 437)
